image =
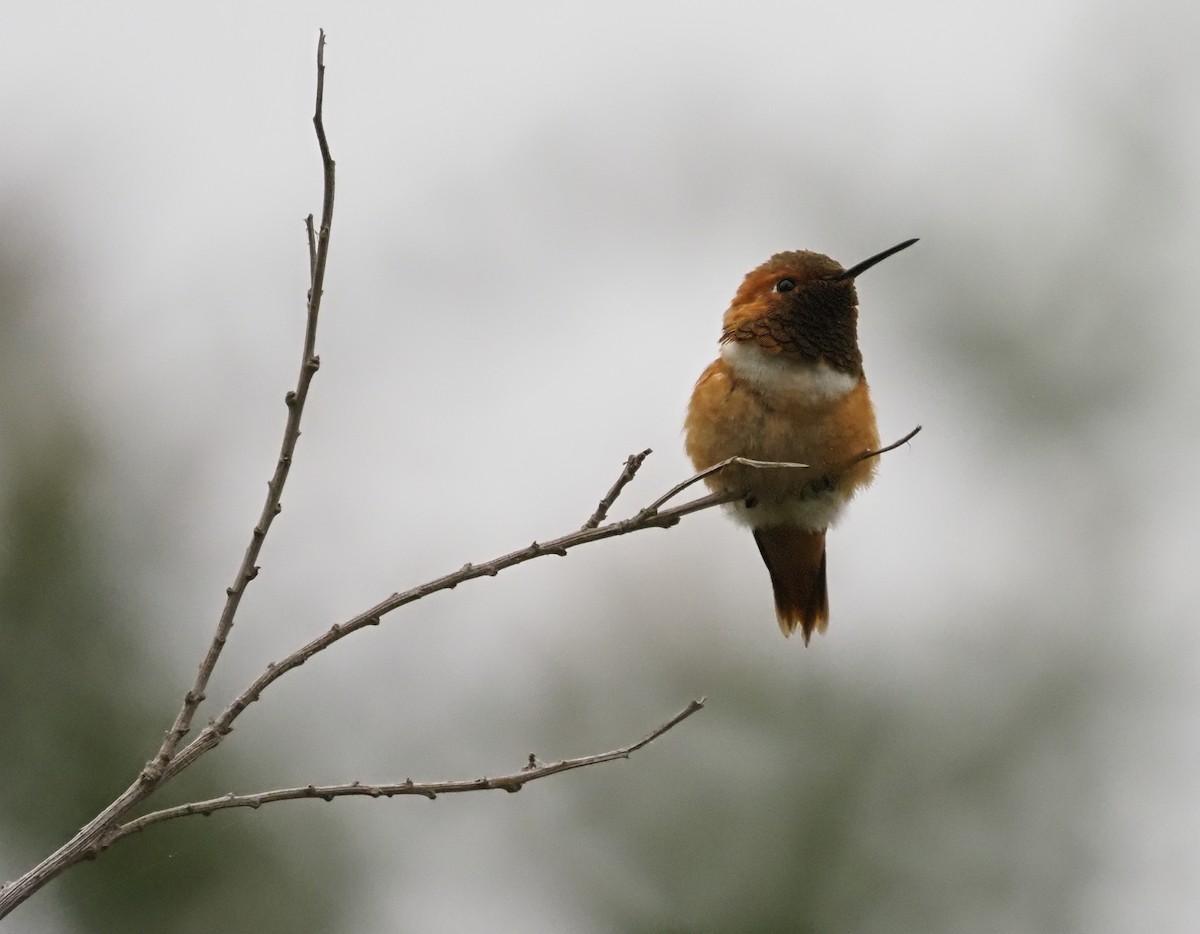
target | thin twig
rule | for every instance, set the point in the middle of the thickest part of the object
(762, 465)
(717, 468)
(511, 782)
(866, 455)
(309, 363)
(632, 464)
(85, 840)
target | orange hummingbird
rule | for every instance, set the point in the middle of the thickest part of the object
(789, 387)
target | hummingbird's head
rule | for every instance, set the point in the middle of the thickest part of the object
(792, 282)
(802, 305)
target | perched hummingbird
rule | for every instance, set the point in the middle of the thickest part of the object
(789, 387)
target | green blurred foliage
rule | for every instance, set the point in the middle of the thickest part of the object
(830, 804)
(83, 708)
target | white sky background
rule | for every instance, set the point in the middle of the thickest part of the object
(542, 213)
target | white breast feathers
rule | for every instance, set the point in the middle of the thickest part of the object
(810, 383)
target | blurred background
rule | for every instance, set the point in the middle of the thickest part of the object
(543, 210)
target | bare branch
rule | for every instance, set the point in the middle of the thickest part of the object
(511, 782)
(85, 841)
(309, 363)
(648, 518)
(632, 464)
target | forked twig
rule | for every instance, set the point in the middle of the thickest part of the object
(632, 464)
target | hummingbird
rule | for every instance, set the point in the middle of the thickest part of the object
(788, 387)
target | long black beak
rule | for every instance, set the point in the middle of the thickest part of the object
(866, 264)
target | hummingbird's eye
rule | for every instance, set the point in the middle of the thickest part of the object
(785, 285)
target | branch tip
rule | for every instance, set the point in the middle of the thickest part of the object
(532, 771)
(633, 463)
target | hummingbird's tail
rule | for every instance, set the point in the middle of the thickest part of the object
(795, 559)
